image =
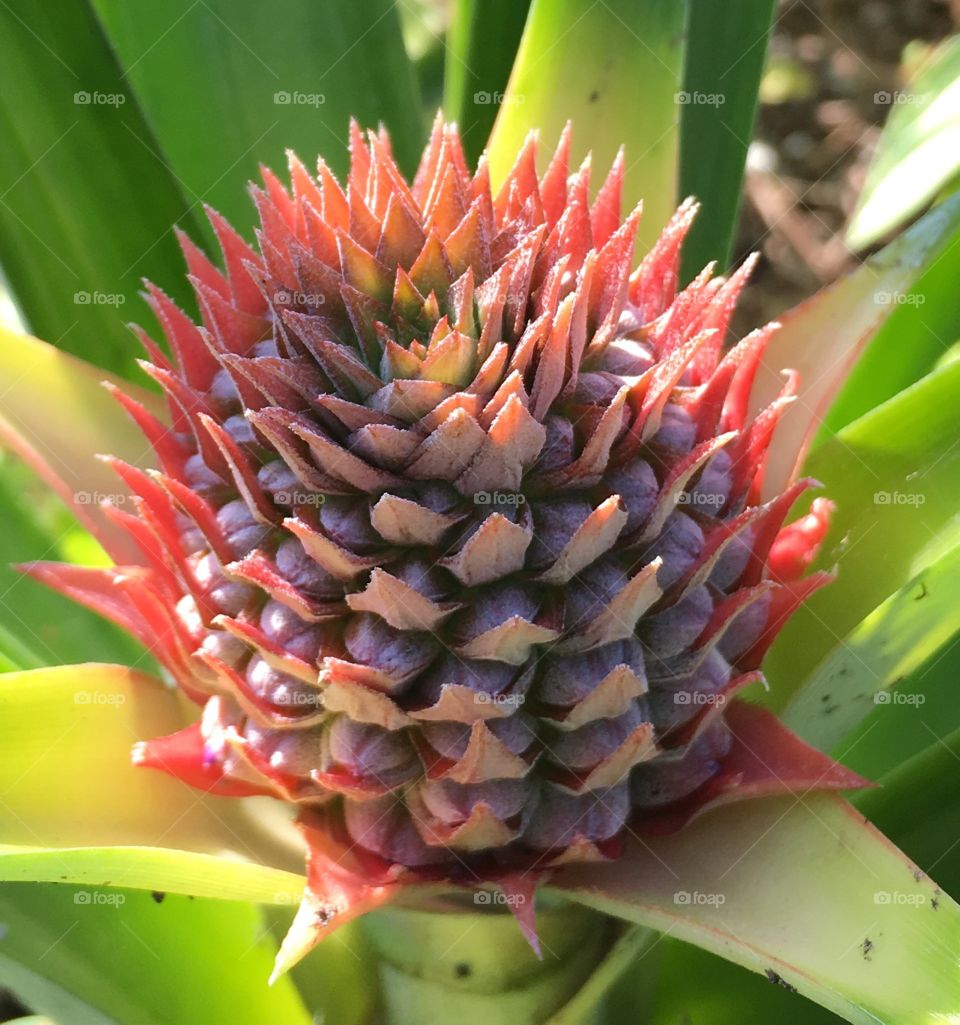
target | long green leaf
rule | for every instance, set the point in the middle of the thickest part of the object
(919, 150)
(822, 337)
(802, 890)
(893, 641)
(151, 868)
(66, 775)
(614, 69)
(895, 477)
(918, 806)
(726, 46)
(926, 708)
(57, 416)
(924, 324)
(226, 84)
(123, 958)
(86, 199)
(483, 40)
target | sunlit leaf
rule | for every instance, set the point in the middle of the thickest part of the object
(795, 888)
(891, 642)
(895, 477)
(822, 337)
(613, 69)
(919, 150)
(57, 416)
(923, 708)
(226, 84)
(66, 776)
(924, 324)
(97, 957)
(87, 199)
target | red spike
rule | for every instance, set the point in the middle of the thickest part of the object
(184, 756)
(279, 197)
(359, 176)
(653, 285)
(553, 185)
(423, 179)
(335, 209)
(244, 475)
(199, 265)
(520, 183)
(236, 255)
(183, 336)
(605, 212)
(797, 545)
(169, 449)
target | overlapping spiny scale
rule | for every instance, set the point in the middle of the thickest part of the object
(456, 534)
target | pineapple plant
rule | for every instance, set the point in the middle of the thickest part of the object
(459, 537)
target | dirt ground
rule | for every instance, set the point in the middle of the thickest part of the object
(831, 64)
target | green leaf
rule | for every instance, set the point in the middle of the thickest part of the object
(918, 806)
(919, 150)
(924, 707)
(86, 199)
(67, 779)
(724, 994)
(726, 45)
(924, 324)
(822, 337)
(226, 84)
(152, 868)
(57, 416)
(613, 69)
(94, 957)
(482, 42)
(895, 477)
(795, 888)
(890, 643)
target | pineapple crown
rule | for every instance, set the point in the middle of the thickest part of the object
(458, 538)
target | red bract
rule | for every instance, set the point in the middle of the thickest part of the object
(456, 538)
